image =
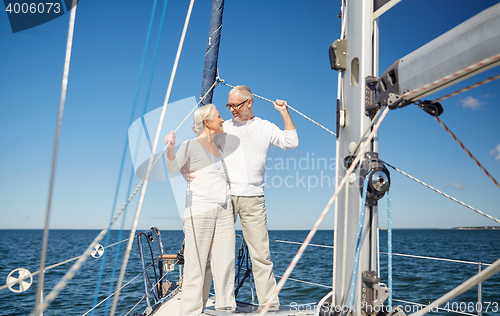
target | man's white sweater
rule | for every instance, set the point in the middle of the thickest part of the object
(246, 165)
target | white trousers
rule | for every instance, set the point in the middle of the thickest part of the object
(209, 234)
(252, 211)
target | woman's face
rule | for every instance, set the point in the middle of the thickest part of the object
(215, 124)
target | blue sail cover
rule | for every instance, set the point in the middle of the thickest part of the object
(212, 52)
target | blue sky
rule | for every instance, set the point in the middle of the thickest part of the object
(280, 50)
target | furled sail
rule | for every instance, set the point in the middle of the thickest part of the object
(212, 52)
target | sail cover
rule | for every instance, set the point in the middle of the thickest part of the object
(212, 52)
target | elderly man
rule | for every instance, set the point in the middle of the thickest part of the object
(246, 170)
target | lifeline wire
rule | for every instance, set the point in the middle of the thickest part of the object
(62, 100)
(323, 214)
(442, 193)
(467, 151)
(291, 108)
(476, 279)
(77, 265)
(151, 159)
(51, 267)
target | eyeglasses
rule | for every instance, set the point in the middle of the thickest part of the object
(229, 106)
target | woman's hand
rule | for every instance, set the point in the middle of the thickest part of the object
(170, 139)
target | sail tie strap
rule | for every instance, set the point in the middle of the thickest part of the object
(291, 108)
(323, 214)
(442, 193)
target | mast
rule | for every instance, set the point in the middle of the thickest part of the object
(212, 51)
(355, 56)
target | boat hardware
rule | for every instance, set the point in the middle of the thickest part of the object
(433, 108)
(379, 181)
(338, 54)
(98, 251)
(373, 293)
(20, 280)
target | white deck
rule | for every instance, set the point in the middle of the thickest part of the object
(171, 307)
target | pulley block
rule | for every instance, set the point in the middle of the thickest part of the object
(98, 251)
(19, 280)
(379, 181)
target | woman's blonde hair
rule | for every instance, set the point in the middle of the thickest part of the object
(201, 114)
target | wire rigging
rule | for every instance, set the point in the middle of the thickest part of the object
(442, 193)
(290, 107)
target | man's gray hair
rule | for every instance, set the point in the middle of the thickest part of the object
(243, 91)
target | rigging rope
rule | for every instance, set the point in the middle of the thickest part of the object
(323, 214)
(467, 88)
(151, 159)
(291, 108)
(64, 87)
(389, 243)
(467, 151)
(358, 241)
(442, 193)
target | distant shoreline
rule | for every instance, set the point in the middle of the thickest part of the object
(478, 228)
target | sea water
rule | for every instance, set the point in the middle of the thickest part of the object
(415, 280)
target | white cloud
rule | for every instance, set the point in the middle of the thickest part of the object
(496, 151)
(470, 103)
(456, 185)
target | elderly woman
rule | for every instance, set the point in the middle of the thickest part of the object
(208, 215)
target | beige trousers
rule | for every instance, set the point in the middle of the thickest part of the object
(209, 235)
(252, 211)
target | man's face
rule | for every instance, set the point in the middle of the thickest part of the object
(240, 108)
